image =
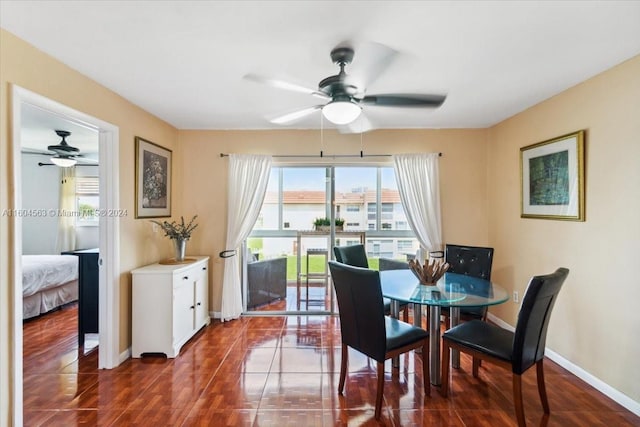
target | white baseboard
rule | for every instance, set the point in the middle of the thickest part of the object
(124, 355)
(215, 314)
(498, 321)
(585, 376)
(595, 382)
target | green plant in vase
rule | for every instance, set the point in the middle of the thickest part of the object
(179, 233)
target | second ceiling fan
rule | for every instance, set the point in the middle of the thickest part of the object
(345, 93)
(65, 154)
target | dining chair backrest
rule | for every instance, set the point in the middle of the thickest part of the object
(354, 255)
(533, 319)
(392, 264)
(469, 260)
(361, 309)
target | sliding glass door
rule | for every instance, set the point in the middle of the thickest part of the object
(286, 261)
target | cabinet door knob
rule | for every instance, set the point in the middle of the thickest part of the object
(204, 268)
(199, 303)
(192, 307)
(185, 278)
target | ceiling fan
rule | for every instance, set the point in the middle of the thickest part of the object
(345, 93)
(65, 155)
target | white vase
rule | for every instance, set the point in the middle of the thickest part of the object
(180, 246)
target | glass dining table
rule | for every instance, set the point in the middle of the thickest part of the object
(452, 290)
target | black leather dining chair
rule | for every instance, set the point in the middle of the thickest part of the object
(365, 328)
(392, 264)
(517, 351)
(472, 261)
(356, 255)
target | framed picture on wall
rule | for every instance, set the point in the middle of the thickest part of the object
(153, 180)
(552, 178)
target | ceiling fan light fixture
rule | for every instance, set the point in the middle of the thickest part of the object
(63, 162)
(341, 112)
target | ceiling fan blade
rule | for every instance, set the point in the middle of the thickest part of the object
(370, 61)
(294, 115)
(284, 85)
(86, 160)
(26, 150)
(404, 100)
(361, 125)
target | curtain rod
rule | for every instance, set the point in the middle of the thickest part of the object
(77, 164)
(326, 155)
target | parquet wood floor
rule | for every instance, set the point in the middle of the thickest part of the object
(276, 371)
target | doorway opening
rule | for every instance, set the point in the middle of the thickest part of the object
(60, 228)
(108, 246)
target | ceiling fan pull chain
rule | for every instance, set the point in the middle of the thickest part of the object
(321, 134)
(361, 144)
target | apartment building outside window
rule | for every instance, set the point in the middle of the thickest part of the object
(366, 198)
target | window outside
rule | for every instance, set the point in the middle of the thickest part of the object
(366, 198)
(87, 201)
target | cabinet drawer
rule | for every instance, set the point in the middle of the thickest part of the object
(180, 279)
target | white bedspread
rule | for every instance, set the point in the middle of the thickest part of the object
(40, 272)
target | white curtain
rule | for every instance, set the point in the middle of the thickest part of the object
(418, 183)
(248, 178)
(66, 240)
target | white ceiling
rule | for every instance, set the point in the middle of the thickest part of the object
(184, 61)
(38, 127)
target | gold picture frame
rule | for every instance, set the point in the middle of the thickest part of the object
(552, 178)
(153, 180)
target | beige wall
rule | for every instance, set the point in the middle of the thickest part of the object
(596, 322)
(31, 69)
(462, 175)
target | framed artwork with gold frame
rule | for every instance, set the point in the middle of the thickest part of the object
(552, 178)
(153, 180)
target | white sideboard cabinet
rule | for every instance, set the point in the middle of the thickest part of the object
(169, 305)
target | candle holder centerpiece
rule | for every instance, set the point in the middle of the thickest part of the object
(429, 272)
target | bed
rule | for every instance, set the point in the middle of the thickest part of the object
(48, 281)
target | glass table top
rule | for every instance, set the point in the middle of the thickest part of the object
(452, 290)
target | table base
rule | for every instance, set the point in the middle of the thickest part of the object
(434, 336)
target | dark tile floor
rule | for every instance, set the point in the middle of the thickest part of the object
(276, 371)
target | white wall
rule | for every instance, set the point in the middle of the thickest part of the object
(40, 192)
(87, 237)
